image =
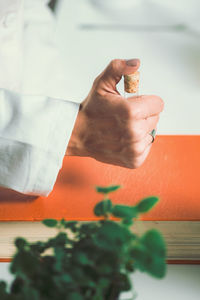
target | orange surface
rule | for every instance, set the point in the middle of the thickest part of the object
(170, 172)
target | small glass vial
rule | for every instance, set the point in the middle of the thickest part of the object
(131, 84)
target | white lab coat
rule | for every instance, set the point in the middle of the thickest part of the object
(36, 115)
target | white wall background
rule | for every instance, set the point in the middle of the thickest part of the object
(92, 32)
(182, 282)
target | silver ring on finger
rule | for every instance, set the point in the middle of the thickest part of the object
(153, 134)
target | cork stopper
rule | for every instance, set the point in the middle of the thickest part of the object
(131, 82)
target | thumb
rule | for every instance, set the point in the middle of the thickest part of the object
(116, 69)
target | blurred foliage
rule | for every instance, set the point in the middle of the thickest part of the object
(89, 260)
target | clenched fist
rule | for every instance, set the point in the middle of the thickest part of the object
(113, 129)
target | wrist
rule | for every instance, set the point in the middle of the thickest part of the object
(76, 146)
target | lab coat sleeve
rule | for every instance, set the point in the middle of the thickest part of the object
(36, 116)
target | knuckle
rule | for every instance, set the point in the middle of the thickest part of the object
(131, 165)
(137, 132)
(160, 102)
(138, 149)
(98, 88)
(96, 81)
(135, 155)
(100, 91)
(135, 163)
(136, 113)
(114, 63)
(127, 111)
(157, 120)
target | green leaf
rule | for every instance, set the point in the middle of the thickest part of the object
(123, 282)
(20, 243)
(62, 222)
(82, 258)
(140, 257)
(127, 221)
(150, 263)
(103, 282)
(71, 225)
(59, 255)
(103, 207)
(30, 293)
(66, 278)
(50, 222)
(3, 293)
(111, 236)
(60, 239)
(150, 254)
(124, 211)
(38, 247)
(146, 204)
(25, 262)
(157, 267)
(129, 266)
(2, 285)
(75, 296)
(106, 267)
(154, 242)
(108, 189)
(17, 285)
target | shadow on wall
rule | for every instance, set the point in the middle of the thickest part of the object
(7, 195)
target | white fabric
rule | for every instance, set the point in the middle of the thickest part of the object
(36, 115)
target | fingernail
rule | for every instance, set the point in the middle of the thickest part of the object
(131, 62)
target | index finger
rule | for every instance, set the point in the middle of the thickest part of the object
(146, 106)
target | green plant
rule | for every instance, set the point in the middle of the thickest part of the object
(89, 260)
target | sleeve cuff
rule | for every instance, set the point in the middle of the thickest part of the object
(31, 170)
(51, 163)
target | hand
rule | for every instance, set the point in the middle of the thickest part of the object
(113, 129)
